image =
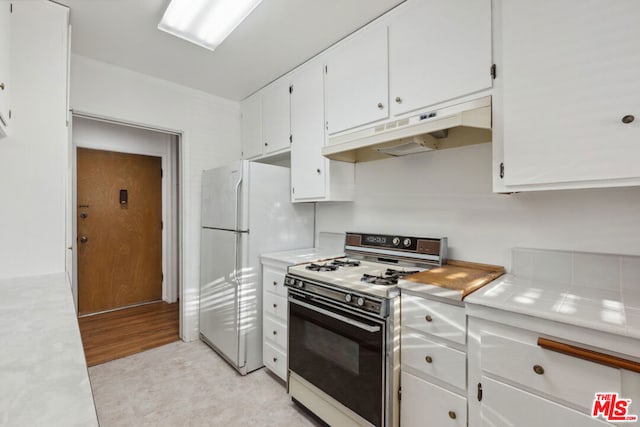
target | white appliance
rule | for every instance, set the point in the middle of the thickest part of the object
(246, 211)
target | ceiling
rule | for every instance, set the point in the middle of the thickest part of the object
(276, 37)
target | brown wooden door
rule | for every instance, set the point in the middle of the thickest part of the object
(119, 244)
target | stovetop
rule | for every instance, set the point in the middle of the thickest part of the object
(367, 277)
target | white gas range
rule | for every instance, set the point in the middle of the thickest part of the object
(344, 326)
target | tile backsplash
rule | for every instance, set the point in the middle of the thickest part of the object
(552, 268)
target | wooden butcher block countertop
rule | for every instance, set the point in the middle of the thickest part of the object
(454, 280)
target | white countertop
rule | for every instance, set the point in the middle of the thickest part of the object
(595, 291)
(43, 373)
(300, 256)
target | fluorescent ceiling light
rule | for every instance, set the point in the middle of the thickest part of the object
(205, 22)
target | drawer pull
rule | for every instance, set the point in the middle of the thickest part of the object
(452, 415)
(590, 355)
(538, 369)
(428, 359)
(428, 318)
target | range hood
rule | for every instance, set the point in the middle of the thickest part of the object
(457, 125)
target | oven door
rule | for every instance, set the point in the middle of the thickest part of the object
(340, 352)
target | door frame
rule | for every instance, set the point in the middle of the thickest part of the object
(171, 202)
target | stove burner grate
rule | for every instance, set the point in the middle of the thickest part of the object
(345, 263)
(321, 267)
(388, 278)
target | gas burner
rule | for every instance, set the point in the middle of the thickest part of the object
(398, 274)
(379, 280)
(345, 263)
(321, 267)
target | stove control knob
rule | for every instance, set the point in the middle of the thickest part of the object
(406, 242)
(396, 241)
(348, 298)
(300, 284)
(360, 301)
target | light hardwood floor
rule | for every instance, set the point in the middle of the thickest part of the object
(121, 333)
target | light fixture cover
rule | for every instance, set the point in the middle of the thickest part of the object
(205, 22)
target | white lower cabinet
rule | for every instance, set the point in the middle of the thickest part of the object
(433, 363)
(507, 406)
(425, 404)
(274, 317)
(514, 381)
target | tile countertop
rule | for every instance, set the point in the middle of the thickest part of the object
(595, 291)
(300, 256)
(42, 365)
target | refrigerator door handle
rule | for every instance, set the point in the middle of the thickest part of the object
(237, 213)
(241, 357)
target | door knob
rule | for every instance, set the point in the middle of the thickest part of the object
(84, 239)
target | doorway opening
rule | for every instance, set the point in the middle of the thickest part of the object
(126, 229)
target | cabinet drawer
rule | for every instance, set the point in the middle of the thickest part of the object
(275, 305)
(273, 281)
(426, 404)
(434, 359)
(506, 406)
(564, 377)
(275, 360)
(436, 318)
(275, 331)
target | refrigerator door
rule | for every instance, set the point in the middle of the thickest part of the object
(223, 204)
(221, 254)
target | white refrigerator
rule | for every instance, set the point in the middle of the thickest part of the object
(246, 211)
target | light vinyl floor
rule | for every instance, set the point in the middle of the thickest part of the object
(188, 384)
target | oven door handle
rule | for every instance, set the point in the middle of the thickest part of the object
(360, 325)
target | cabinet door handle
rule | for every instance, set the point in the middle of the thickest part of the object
(428, 359)
(538, 369)
(275, 283)
(628, 119)
(266, 144)
(275, 305)
(452, 415)
(428, 318)
(275, 359)
(318, 171)
(275, 332)
(590, 355)
(398, 100)
(2, 86)
(380, 105)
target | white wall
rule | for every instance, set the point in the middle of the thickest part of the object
(33, 158)
(210, 128)
(448, 193)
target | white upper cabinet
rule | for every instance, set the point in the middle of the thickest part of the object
(313, 176)
(438, 50)
(357, 80)
(308, 166)
(5, 22)
(570, 93)
(252, 126)
(276, 118)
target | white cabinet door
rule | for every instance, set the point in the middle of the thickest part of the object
(275, 117)
(424, 404)
(438, 50)
(5, 22)
(308, 166)
(357, 81)
(506, 406)
(571, 73)
(252, 126)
